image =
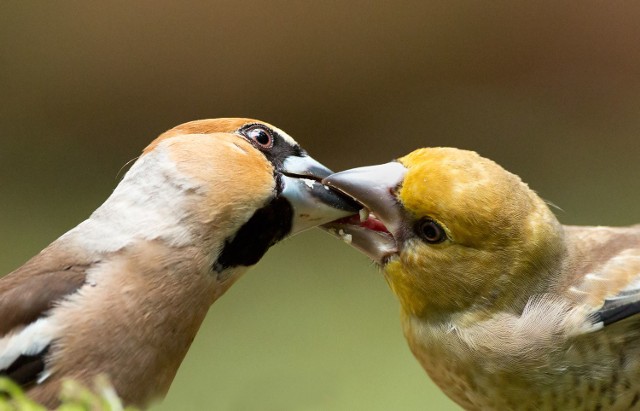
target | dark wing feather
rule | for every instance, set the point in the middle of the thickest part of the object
(619, 307)
(25, 370)
(25, 298)
(28, 293)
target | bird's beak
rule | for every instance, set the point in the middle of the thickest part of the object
(374, 187)
(313, 203)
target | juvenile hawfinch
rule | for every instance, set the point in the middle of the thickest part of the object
(124, 293)
(504, 307)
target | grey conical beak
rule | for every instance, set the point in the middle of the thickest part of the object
(374, 187)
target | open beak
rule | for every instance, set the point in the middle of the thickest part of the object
(313, 203)
(375, 231)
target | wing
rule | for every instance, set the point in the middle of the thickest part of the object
(26, 295)
(618, 307)
(607, 272)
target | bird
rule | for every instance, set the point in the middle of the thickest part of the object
(503, 306)
(123, 293)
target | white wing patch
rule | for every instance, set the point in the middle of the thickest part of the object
(31, 340)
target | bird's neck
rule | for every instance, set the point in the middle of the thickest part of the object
(151, 203)
(157, 204)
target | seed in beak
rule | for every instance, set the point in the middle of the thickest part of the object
(364, 214)
(347, 238)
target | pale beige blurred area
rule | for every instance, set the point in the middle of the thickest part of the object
(548, 89)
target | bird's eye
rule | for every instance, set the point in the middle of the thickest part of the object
(431, 232)
(261, 135)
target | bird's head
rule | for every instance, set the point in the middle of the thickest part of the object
(452, 230)
(235, 186)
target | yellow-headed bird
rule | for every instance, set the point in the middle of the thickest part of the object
(504, 307)
(124, 293)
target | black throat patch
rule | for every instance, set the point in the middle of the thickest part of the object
(267, 226)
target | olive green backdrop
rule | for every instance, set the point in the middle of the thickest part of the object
(550, 90)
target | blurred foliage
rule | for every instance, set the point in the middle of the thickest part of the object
(548, 89)
(74, 397)
(12, 398)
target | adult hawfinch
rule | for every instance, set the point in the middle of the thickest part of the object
(124, 293)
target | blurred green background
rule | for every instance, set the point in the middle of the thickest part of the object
(550, 90)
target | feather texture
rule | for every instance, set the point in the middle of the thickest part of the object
(124, 292)
(508, 309)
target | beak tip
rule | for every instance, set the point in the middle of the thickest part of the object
(340, 181)
(352, 182)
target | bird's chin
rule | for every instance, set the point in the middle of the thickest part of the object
(367, 234)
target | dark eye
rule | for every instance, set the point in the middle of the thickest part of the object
(261, 135)
(431, 232)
